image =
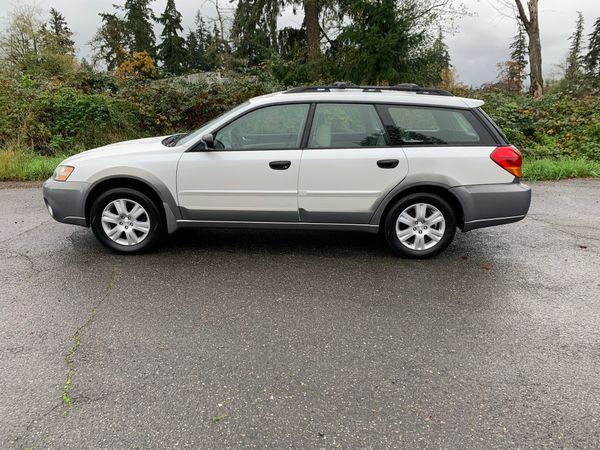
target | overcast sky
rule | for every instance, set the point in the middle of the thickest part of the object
(480, 42)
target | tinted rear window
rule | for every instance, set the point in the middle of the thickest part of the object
(417, 125)
(494, 125)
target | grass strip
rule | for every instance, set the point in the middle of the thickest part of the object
(27, 166)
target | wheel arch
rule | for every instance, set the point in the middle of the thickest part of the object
(130, 182)
(428, 188)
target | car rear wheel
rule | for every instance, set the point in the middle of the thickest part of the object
(420, 226)
(126, 221)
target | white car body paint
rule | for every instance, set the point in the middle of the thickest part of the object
(323, 188)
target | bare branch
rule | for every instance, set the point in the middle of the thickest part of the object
(501, 5)
(522, 14)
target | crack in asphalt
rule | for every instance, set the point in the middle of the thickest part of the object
(67, 400)
(25, 231)
(16, 254)
(559, 227)
(35, 420)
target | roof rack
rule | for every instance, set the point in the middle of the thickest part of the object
(405, 87)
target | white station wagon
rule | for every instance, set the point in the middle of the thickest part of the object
(412, 163)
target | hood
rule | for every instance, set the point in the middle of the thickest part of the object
(119, 148)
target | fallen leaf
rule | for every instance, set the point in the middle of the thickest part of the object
(486, 267)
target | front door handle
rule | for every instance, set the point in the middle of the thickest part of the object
(387, 163)
(280, 165)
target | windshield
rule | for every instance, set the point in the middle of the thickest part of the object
(200, 131)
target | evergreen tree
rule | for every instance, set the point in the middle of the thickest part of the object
(573, 73)
(172, 51)
(197, 44)
(110, 42)
(254, 30)
(381, 43)
(430, 63)
(518, 53)
(439, 60)
(57, 34)
(138, 16)
(194, 53)
(255, 33)
(592, 58)
(217, 51)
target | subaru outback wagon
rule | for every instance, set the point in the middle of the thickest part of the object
(411, 163)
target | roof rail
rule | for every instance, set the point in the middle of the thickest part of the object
(405, 87)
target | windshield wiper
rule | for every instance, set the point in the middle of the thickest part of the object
(171, 141)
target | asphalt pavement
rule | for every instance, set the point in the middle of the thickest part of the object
(289, 339)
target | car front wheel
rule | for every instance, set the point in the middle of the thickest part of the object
(420, 226)
(126, 220)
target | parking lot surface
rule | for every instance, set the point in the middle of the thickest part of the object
(277, 339)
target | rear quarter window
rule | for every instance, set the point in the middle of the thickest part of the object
(432, 126)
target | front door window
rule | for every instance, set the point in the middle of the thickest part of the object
(276, 127)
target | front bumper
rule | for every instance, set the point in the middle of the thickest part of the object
(486, 205)
(65, 201)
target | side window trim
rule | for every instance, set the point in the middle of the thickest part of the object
(386, 120)
(308, 126)
(259, 107)
(491, 126)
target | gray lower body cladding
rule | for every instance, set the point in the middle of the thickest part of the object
(487, 205)
(483, 206)
(66, 201)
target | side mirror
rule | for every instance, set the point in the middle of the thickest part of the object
(209, 141)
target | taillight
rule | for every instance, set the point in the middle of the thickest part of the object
(509, 158)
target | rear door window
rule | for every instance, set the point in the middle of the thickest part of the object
(344, 125)
(427, 126)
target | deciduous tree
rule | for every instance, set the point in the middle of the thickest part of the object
(531, 23)
(29, 45)
(21, 40)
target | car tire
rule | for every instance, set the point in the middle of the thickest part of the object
(420, 226)
(126, 221)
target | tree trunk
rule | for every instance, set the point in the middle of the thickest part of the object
(536, 88)
(313, 37)
(532, 26)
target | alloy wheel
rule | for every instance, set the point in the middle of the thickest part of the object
(125, 222)
(420, 226)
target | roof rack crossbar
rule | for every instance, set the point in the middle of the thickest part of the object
(406, 87)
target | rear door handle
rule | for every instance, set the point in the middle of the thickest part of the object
(387, 163)
(280, 165)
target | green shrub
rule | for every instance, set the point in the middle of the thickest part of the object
(86, 110)
(555, 126)
(52, 118)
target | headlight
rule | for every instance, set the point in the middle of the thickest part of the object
(62, 173)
